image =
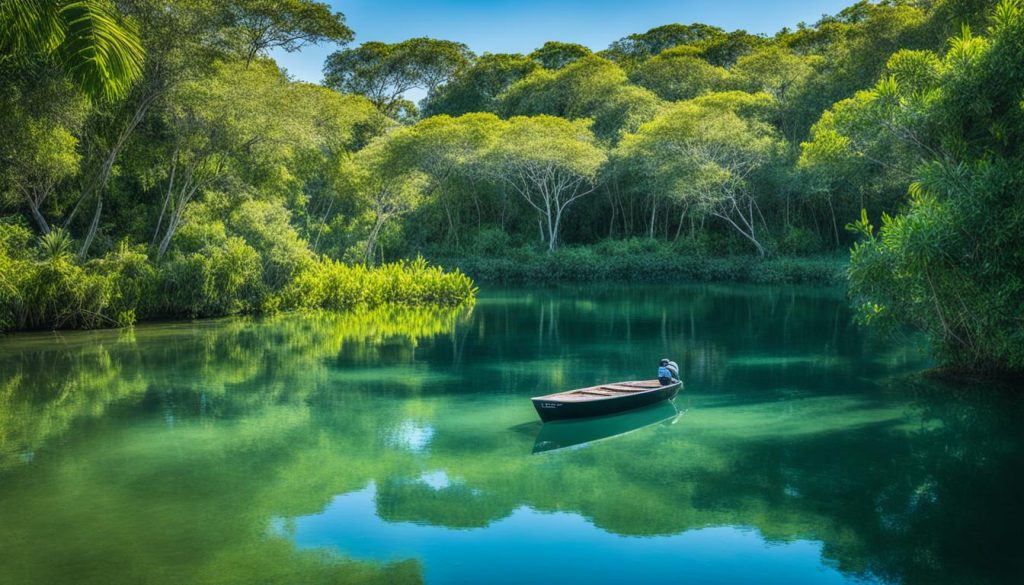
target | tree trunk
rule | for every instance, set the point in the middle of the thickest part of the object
(93, 226)
(371, 239)
(835, 226)
(38, 216)
(654, 210)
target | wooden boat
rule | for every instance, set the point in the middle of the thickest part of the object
(581, 432)
(602, 400)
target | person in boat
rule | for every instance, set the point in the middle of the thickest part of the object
(668, 372)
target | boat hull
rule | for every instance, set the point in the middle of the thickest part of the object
(551, 408)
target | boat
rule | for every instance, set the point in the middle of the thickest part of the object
(582, 432)
(603, 399)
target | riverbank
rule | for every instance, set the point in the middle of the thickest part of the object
(42, 288)
(583, 264)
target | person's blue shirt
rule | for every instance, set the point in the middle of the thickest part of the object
(664, 372)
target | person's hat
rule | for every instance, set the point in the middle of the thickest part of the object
(664, 361)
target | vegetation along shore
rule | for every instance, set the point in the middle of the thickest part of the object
(155, 161)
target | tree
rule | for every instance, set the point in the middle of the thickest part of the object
(39, 145)
(212, 135)
(285, 24)
(385, 187)
(704, 152)
(725, 49)
(449, 152)
(951, 262)
(636, 48)
(385, 72)
(782, 74)
(477, 88)
(550, 162)
(676, 74)
(97, 46)
(555, 55)
(591, 87)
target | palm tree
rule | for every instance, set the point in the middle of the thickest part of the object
(98, 46)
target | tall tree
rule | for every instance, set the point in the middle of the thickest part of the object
(591, 87)
(289, 25)
(477, 88)
(677, 74)
(384, 72)
(705, 152)
(551, 163)
(555, 55)
(636, 48)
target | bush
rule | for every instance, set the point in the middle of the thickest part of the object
(224, 280)
(619, 262)
(132, 282)
(800, 241)
(491, 241)
(47, 288)
(330, 284)
(266, 227)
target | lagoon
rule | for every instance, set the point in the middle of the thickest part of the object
(400, 446)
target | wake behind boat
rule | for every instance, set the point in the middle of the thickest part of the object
(604, 399)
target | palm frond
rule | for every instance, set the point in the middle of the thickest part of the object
(101, 49)
(29, 27)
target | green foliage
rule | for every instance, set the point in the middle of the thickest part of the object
(329, 284)
(476, 89)
(591, 87)
(285, 24)
(49, 289)
(97, 45)
(555, 55)
(951, 262)
(638, 47)
(384, 72)
(266, 228)
(677, 74)
(550, 162)
(800, 241)
(704, 153)
(644, 260)
(55, 245)
(490, 242)
(224, 279)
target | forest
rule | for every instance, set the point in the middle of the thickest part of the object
(155, 161)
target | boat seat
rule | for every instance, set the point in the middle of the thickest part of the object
(618, 388)
(595, 392)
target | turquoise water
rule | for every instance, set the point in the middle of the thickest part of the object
(401, 447)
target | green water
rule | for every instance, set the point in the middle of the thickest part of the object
(401, 447)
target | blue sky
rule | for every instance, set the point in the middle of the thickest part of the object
(519, 26)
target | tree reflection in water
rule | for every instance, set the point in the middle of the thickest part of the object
(194, 452)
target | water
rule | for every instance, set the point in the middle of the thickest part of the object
(401, 447)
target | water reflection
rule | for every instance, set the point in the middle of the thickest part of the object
(574, 433)
(325, 448)
(530, 546)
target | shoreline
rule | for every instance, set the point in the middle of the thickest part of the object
(583, 265)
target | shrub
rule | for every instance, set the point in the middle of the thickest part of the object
(800, 241)
(266, 227)
(46, 287)
(132, 282)
(330, 284)
(663, 264)
(491, 241)
(223, 280)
